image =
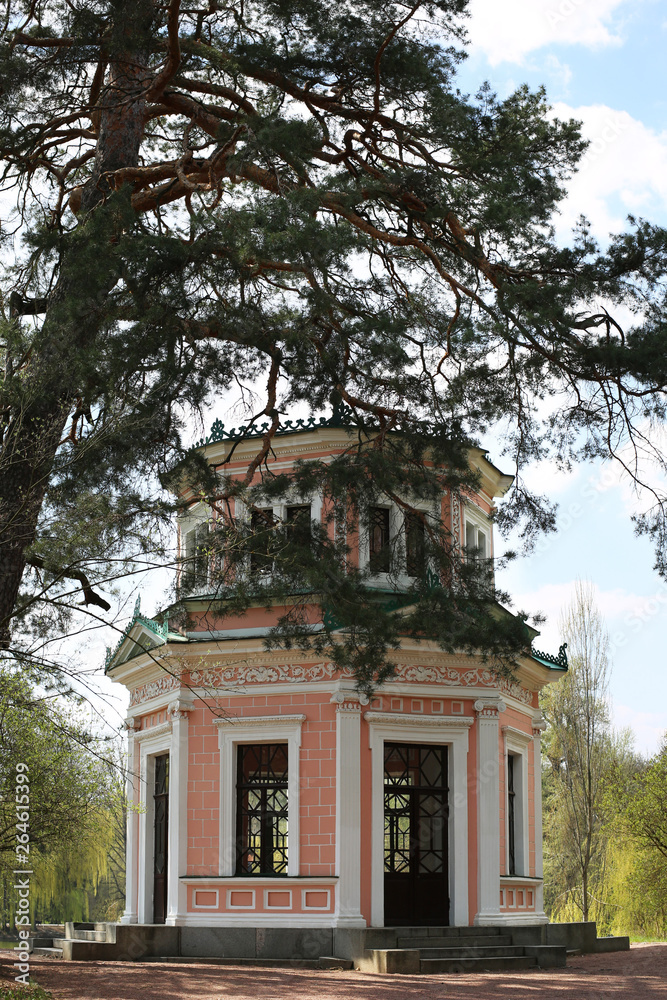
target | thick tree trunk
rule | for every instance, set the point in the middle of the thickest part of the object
(34, 427)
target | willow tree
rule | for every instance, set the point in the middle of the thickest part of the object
(291, 201)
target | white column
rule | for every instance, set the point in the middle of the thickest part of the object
(488, 810)
(539, 725)
(178, 814)
(130, 916)
(348, 807)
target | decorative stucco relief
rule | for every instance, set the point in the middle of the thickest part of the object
(153, 690)
(240, 674)
(450, 677)
(287, 673)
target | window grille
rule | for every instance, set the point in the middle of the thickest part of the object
(415, 545)
(379, 550)
(511, 815)
(261, 810)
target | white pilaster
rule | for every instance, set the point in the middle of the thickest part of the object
(488, 810)
(130, 916)
(539, 725)
(177, 857)
(348, 806)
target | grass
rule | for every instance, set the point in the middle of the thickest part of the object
(20, 992)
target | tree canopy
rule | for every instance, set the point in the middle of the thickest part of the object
(294, 203)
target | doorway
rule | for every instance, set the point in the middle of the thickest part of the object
(161, 836)
(416, 814)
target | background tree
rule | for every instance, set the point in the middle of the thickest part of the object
(212, 198)
(584, 758)
(76, 804)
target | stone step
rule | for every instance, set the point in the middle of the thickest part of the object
(507, 950)
(451, 941)
(47, 952)
(41, 941)
(264, 963)
(432, 966)
(81, 935)
(422, 931)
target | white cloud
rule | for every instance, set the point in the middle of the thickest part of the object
(623, 172)
(508, 31)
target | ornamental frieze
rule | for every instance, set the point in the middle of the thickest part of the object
(153, 689)
(241, 674)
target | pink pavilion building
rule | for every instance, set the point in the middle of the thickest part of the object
(270, 794)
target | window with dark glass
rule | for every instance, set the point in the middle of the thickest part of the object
(415, 548)
(379, 550)
(261, 525)
(197, 553)
(261, 810)
(415, 809)
(511, 815)
(297, 519)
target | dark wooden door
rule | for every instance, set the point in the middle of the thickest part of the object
(161, 828)
(416, 813)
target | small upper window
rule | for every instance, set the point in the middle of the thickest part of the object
(379, 550)
(195, 556)
(415, 545)
(261, 524)
(476, 543)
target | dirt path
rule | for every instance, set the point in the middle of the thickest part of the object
(640, 974)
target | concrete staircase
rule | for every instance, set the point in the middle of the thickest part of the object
(61, 947)
(406, 950)
(424, 950)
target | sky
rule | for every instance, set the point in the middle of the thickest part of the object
(602, 62)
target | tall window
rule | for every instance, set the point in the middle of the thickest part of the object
(511, 814)
(476, 543)
(379, 550)
(415, 547)
(261, 809)
(261, 525)
(196, 553)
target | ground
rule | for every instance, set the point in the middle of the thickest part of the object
(640, 974)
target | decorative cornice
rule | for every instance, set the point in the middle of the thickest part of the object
(419, 721)
(160, 630)
(154, 731)
(557, 661)
(261, 721)
(342, 416)
(516, 735)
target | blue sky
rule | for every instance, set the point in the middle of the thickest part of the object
(603, 62)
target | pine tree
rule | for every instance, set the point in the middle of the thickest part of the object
(294, 196)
